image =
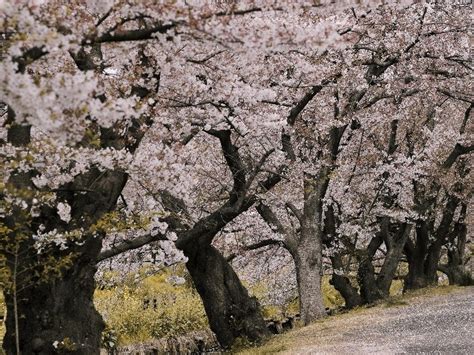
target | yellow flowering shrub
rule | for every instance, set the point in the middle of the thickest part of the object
(150, 309)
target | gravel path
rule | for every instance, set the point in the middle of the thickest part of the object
(428, 325)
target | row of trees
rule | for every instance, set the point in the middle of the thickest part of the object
(327, 130)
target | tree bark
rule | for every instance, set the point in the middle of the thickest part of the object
(455, 269)
(308, 262)
(366, 273)
(423, 258)
(342, 284)
(51, 312)
(305, 248)
(415, 254)
(232, 313)
(395, 242)
(54, 308)
(457, 275)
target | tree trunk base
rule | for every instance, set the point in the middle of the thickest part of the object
(459, 276)
(347, 291)
(231, 311)
(308, 275)
(58, 316)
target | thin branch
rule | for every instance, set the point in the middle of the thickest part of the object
(297, 213)
(104, 17)
(303, 102)
(129, 245)
(132, 35)
(271, 219)
(467, 115)
(205, 59)
(258, 245)
(456, 95)
(233, 160)
(258, 168)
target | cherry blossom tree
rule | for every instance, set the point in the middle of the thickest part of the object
(99, 81)
(411, 158)
(372, 164)
(136, 123)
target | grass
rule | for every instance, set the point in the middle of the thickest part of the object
(342, 322)
(299, 336)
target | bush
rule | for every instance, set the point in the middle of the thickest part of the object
(150, 308)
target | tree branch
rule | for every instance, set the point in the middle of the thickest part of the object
(258, 245)
(258, 168)
(127, 245)
(29, 57)
(467, 115)
(455, 153)
(303, 102)
(295, 211)
(270, 218)
(234, 162)
(132, 35)
(457, 95)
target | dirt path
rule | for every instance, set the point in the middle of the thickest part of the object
(441, 324)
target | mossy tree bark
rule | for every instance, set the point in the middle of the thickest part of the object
(58, 311)
(54, 308)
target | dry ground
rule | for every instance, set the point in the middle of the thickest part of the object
(434, 321)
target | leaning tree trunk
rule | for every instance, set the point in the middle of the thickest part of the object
(232, 313)
(366, 273)
(395, 243)
(343, 285)
(308, 263)
(58, 311)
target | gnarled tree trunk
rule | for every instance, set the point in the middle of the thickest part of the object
(423, 257)
(58, 311)
(395, 241)
(415, 253)
(456, 269)
(343, 285)
(232, 313)
(366, 273)
(57, 307)
(458, 275)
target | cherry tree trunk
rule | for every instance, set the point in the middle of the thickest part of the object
(431, 263)
(416, 256)
(232, 313)
(58, 310)
(458, 275)
(416, 277)
(456, 269)
(395, 244)
(351, 297)
(343, 285)
(366, 273)
(422, 269)
(308, 264)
